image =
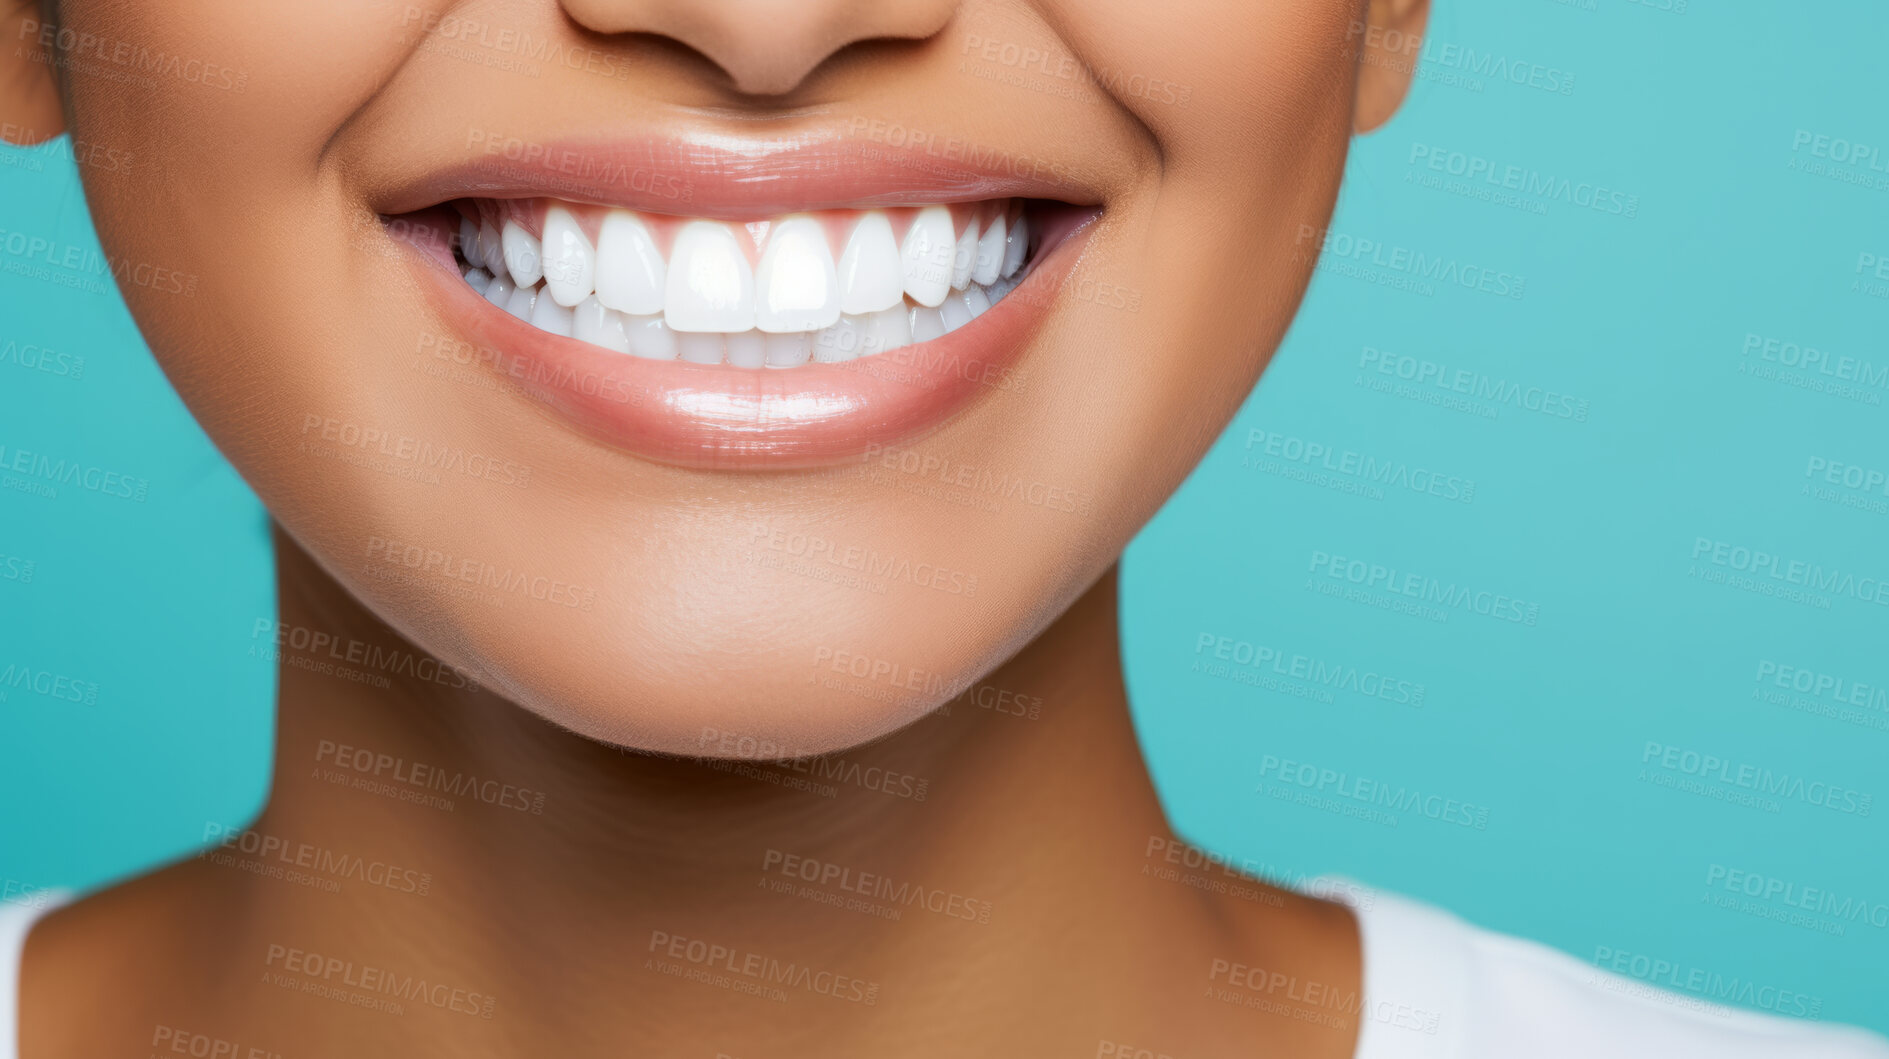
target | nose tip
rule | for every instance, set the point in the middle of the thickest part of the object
(766, 47)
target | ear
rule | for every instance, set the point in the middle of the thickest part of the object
(29, 95)
(1393, 41)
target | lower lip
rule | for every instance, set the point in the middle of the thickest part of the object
(720, 417)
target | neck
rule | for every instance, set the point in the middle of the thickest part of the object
(558, 896)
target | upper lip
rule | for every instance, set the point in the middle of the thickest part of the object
(852, 163)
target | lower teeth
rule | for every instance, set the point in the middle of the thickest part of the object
(648, 336)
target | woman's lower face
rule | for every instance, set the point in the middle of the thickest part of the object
(708, 381)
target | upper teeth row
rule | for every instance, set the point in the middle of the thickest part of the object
(707, 284)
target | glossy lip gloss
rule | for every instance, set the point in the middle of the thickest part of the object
(718, 416)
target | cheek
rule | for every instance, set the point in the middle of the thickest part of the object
(1228, 78)
(226, 107)
(1199, 276)
(229, 80)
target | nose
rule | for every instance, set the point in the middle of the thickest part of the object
(766, 46)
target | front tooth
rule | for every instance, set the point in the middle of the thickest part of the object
(990, 253)
(650, 337)
(788, 351)
(491, 255)
(569, 262)
(710, 286)
(927, 324)
(749, 348)
(548, 315)
(888, 329)
(1016, 244)
(869, 267)
(520, 302)
(593, 323)
(630, 270)
(699, 347)
(796, 288)
(500, 291)
(964, 257)
(926, 256)
(843, 341)
(524, 259)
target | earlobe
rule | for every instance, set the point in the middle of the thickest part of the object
(1388, 44)
(29, 95)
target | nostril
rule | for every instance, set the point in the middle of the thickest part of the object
(765, 47)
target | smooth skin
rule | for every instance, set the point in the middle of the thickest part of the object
(302, 308)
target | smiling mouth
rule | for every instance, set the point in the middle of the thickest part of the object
(817, 287)
(821, 299)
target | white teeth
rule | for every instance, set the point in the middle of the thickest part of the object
(650, 337)
(843, 341)
(569, 262)
(521, 301)
(964, 257)
(593, 323)
(796, 288)
(630, 270)
(954, 313)
(548, 315)
(926, 256)
(499, 291)
(870, 274)
(710, 286)
(1016, 244)
(749, 348)
(788, 351)
(523, 257)
(990, 254)
(888, 329)
(707, 305)
(491, 255)
(927, 324)
(699, 347)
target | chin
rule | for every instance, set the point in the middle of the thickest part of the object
(770, 643)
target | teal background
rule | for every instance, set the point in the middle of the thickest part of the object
(1690, 108)
(147, 603)
(1643, 318)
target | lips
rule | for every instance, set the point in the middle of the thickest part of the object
(771, 325)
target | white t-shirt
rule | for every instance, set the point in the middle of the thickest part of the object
(16, 918)
(1435, 988)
